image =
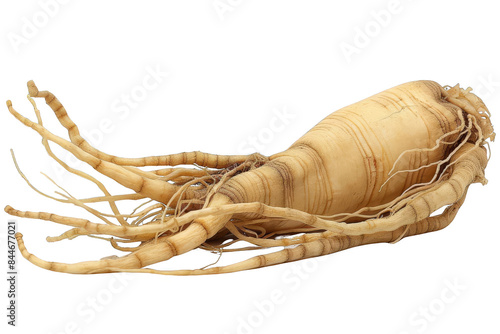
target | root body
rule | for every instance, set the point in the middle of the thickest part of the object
(374, 171)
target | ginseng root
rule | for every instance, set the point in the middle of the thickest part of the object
(374, 171)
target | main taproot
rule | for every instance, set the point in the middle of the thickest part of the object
(374, 171)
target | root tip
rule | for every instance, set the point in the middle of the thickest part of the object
(32, 89)
(9, 104)
(8, 209)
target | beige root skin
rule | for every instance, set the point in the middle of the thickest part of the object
(153, 251)
(185, 158)
(327, 244)
(256, 199)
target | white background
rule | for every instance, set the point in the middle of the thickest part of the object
(231, 68)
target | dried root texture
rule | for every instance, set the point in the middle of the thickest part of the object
(211, 205)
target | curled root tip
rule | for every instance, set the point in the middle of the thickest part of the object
(9, 103)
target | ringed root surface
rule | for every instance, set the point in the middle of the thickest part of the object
(374, 171)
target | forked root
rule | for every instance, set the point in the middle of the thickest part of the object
(413, 219)
(190, 211)
(185, 158)
(322, 246)
(153, 251)
(124, 170)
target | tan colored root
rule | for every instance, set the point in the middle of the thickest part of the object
(136, 233)
(70, 234)
(176, 173)
(450, 158)
(464, 133)
(379, 210)
(181, 188)
(124, 197)
(115, 245)
(45, 143)
(81, 203)
(157, 226)
(318, 247)
(154, 189)
(266, 241)
(474, 106)
(152, 251)
(185, 158)
(470, 163)
(146, 183)
(191, 210)
(439, 141)
(467, 171)
(175, 187)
